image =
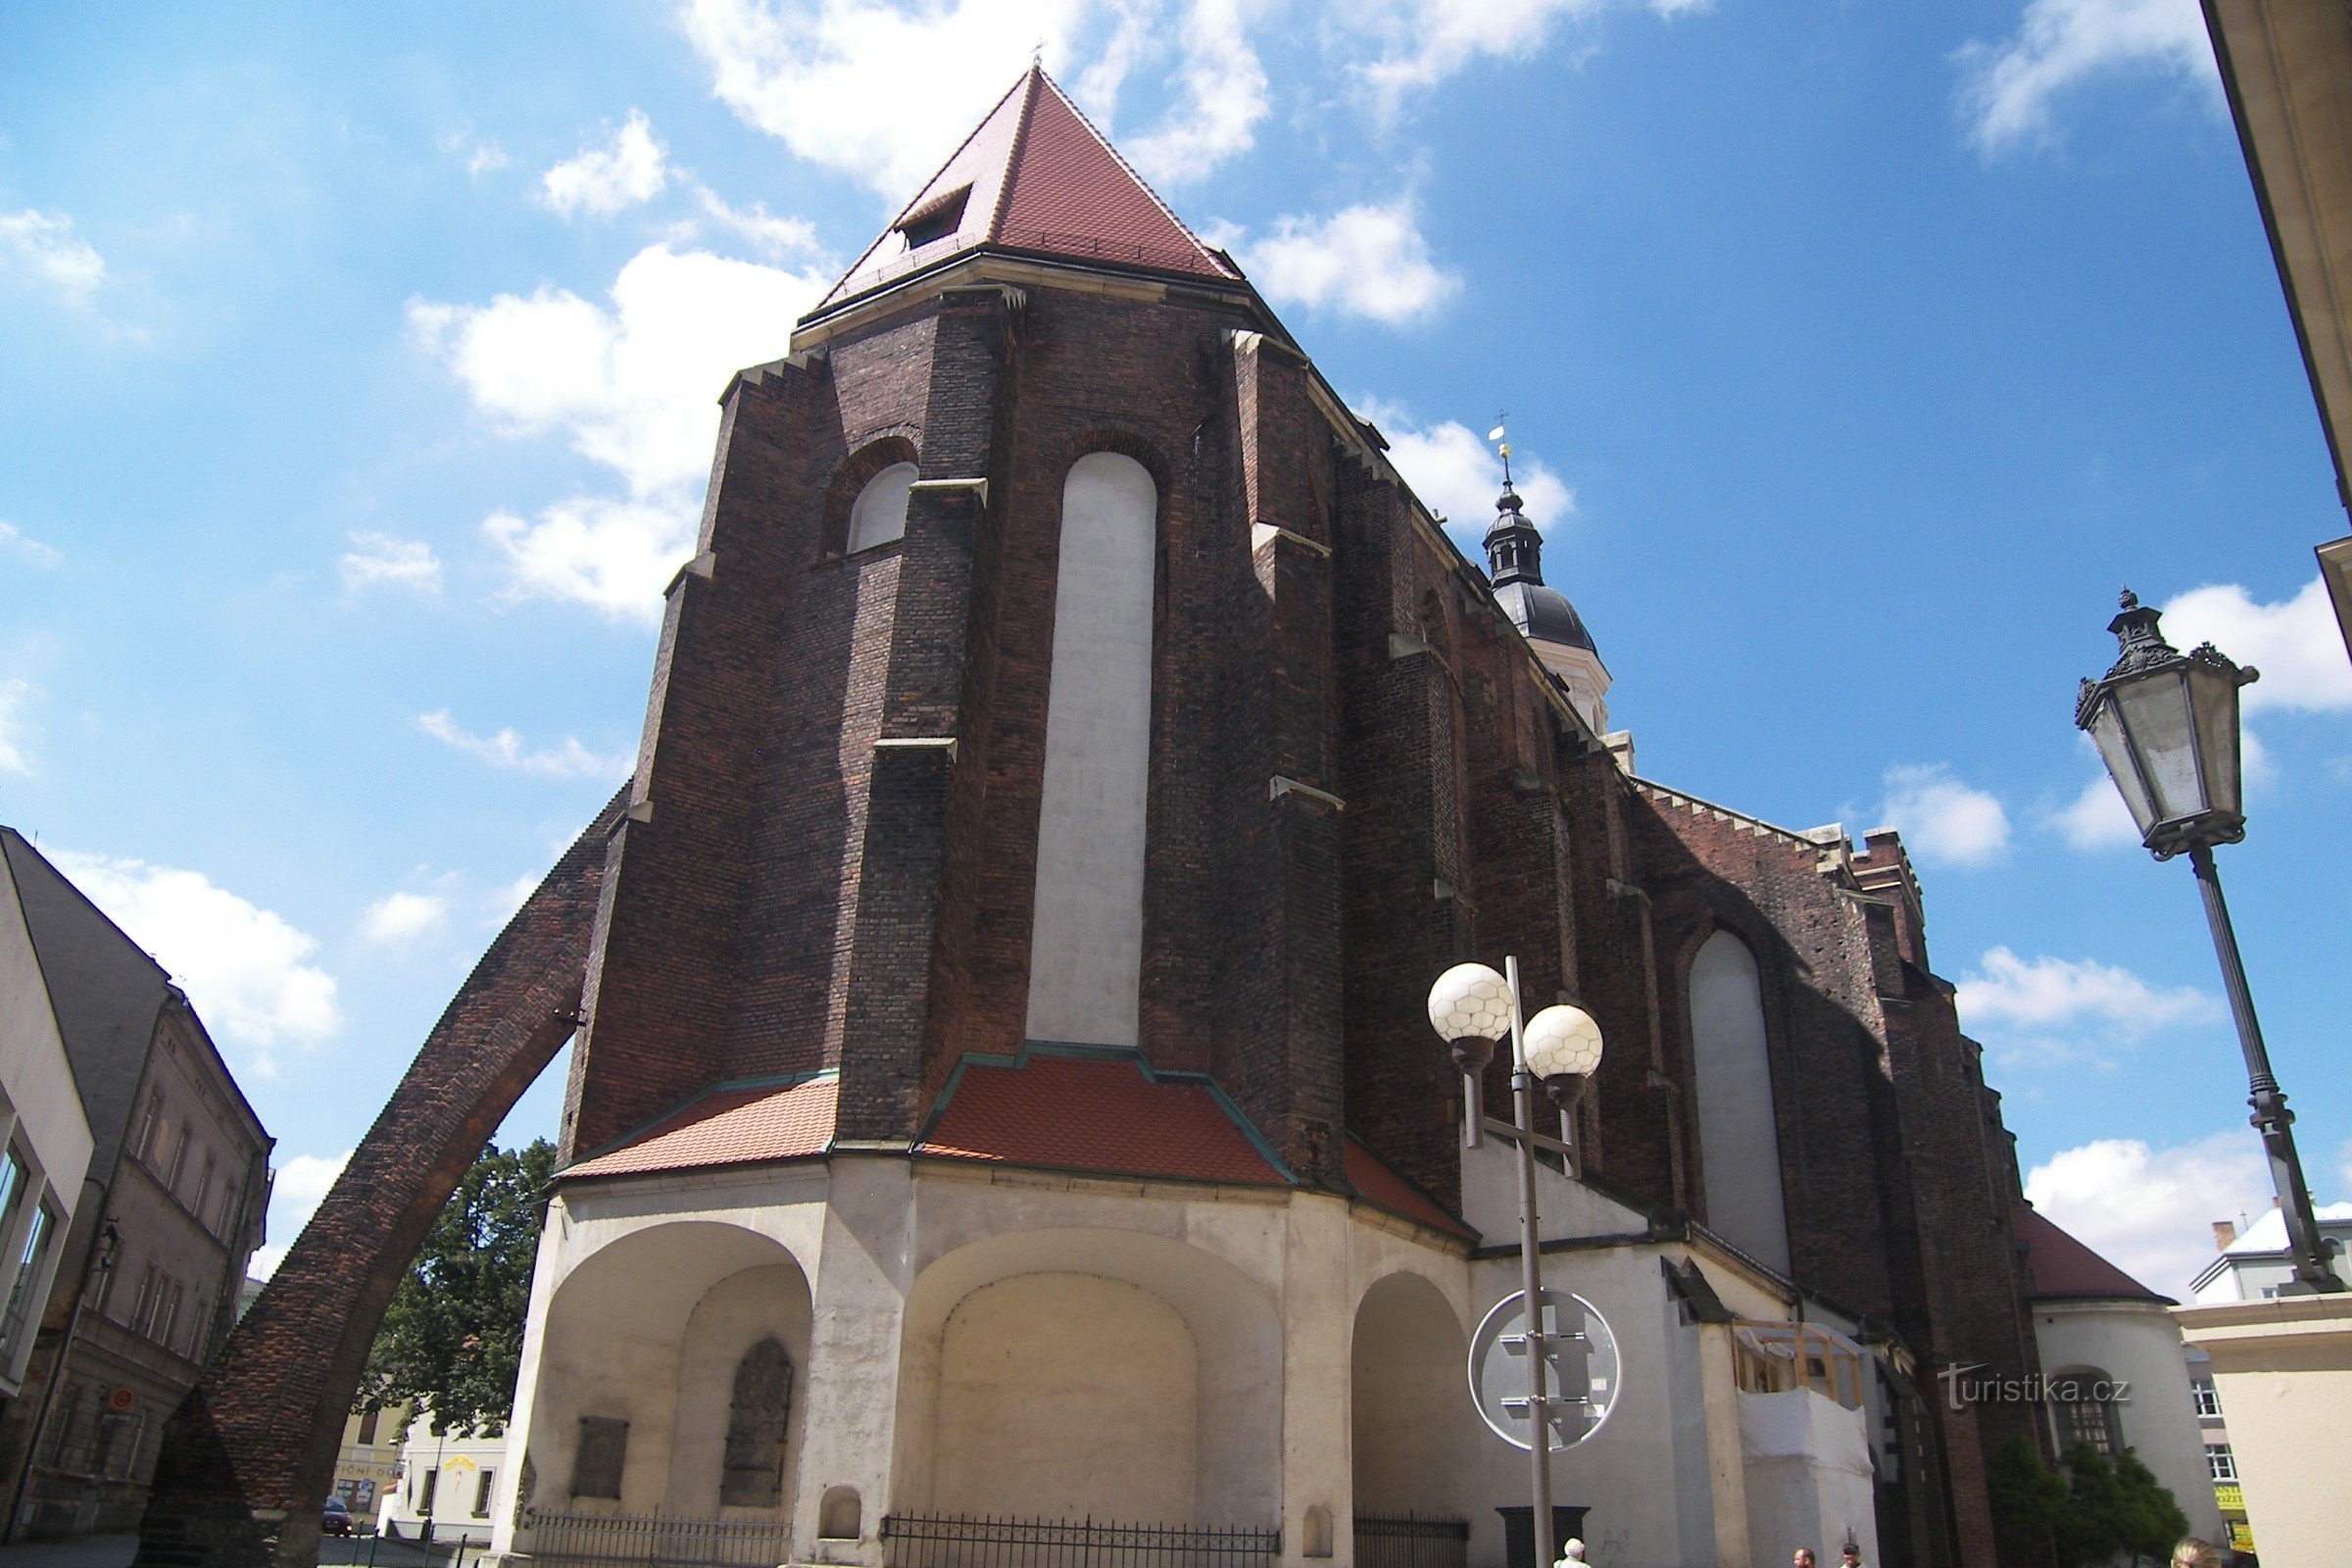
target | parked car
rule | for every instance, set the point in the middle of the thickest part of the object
(335, 1519)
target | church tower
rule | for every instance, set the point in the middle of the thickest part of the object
(1544, 614)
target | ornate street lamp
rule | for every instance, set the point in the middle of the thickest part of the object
(1472, 1007)
(2166, 725)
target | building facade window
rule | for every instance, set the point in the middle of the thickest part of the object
(428, 1481)
(1739, 1133)
(151, 1128)
(879, 513)
(367, 1422)
(481, 1494)
(13, 1175)
(179, 1159)
(143, 1304)
(1086, 937)
(2208, 1398)
(2082, 1406)
(755, 1418)
(2220, 1463)
(28, 1268)
(167, 1317)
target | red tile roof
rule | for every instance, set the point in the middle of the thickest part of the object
(1377, 1183)
(1101, 1116)
(740, 1126)
(2059, 1266)
(1040, 177)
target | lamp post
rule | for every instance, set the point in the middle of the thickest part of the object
(1472, 1007)
(2166, 725)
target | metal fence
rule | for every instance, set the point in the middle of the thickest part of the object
(1411, 1543)
(602, 1540)
(919, 1541)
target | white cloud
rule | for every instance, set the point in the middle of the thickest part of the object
(246, 968)
(2060, 992)
(1422, 42)
(16, 730)
(1942, 820)
(1361, 261)
(302, 1185)
(771, 236)
(629, 169)
(2295, 643)
(2150, 1213)
(506, 749)
(1457, 475)
(42, 247)
(27, 548)
(806, 73)
(2097, 818)
(401, 917)
(503, 901)
(633, 387)
(1225, 97)
(381, 557)
(485, 158)
(2007, 90)
(615, 556)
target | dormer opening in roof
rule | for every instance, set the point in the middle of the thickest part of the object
(1037, 180)
(1543, 615)
(935, 219)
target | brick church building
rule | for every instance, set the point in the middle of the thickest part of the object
(1003, 1087)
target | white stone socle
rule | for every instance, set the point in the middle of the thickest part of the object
(1086, 947)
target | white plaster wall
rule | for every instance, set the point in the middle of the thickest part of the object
(1086, 943)
(1068, 1396)
(1738, 1139)
(40, 1112)
(1808, 1477)
(735, 1315)
(2140, 1343)
(1411, 1422)
(1646, 1474)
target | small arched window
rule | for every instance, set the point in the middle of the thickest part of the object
(879, 514)
(2083, 1407)
(755, 1464)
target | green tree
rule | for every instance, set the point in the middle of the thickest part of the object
(452, 1340)
(2027, 1499)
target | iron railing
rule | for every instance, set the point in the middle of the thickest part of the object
(1412, 1542)
(955, 1540)
(608, 1541)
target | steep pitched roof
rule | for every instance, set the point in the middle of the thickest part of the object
(1036, 177)
(2062, 1268)
(1111, 1116)
(744, 1124)
(105, 991)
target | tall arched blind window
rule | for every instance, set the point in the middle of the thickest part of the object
(879, 513)
(1085, 948)
(756, 1417)
(1740, 1140)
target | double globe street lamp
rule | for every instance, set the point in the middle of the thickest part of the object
(2166, 725)
(1473, 1008)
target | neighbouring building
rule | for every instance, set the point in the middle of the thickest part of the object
(2220, 1464)
(1006, 1088)
(2280, 1370)
(447, 1482)
(147, 1277)
(2118, 1374)
(368, 1468)
(44, 1138)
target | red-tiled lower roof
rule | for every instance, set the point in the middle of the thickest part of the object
(1087, 1114)
(739, 1126)
(1376, 1183)
(2059, 1266)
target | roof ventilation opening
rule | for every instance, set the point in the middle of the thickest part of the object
(936, 219)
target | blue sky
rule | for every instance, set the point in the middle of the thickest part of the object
(356, 380)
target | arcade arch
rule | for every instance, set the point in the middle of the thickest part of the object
(1069, 1372)
(1409, 1414)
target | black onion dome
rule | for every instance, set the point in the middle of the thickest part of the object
(1515, 565)
(1544, 615)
